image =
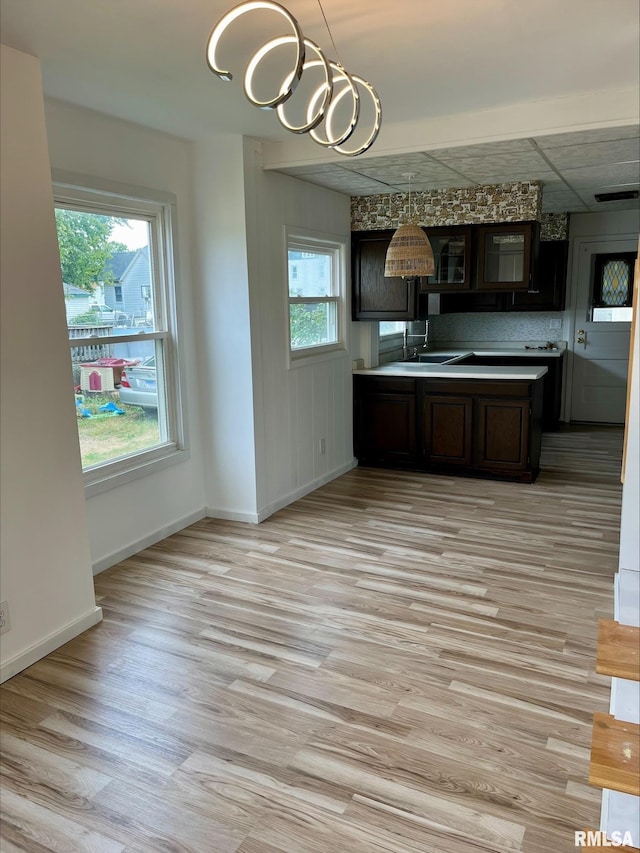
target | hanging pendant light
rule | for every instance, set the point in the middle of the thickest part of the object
(409, 254)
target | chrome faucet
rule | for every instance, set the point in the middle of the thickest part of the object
(425, 340)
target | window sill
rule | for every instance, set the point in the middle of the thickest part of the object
(316, 356)
(114, 475)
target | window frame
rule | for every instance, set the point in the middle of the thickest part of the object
(307, 240)
(159, 209)
(601, 260)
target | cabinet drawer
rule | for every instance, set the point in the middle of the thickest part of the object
(384, 385)
(483, 387)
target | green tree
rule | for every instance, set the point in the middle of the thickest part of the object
(83, 239)
(308, 325)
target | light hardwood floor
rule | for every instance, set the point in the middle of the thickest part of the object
(397, 662)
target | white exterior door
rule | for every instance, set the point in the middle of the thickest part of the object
(600, 350)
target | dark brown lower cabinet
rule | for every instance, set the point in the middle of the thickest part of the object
(482, 428)
(552, 380)
(385, 421)
(446, 424)
(502, 434)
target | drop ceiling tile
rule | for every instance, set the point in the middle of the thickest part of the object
(604, 207)
(551, 181)
(607, 175)
(419, 186)
(428, 174)
(403, 162)
(485, 149)
(346, 182)
(520, 161)
(562, 202)
(597, 154)
(588, 193)
(589, 137)
(506, 175)
(313, 169)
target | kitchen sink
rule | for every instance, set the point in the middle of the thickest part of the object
(425, 358)
(436, 359)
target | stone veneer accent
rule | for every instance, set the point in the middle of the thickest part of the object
(514, 202)
(554, 226)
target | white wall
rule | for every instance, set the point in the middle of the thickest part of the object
(125, 519)
(262, 421)
(225, 382)
(629, 525)
(46, 564)
(295, 407)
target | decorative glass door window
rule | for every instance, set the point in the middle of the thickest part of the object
(612, 287)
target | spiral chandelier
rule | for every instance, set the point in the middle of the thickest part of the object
(321, 120)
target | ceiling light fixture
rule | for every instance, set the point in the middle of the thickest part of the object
(322, 104)
(409, 254)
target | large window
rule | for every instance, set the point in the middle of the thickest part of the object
(116, 259)
(315, 275)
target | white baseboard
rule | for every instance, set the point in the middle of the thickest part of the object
(265, 512)
(49, 644)
(146, 541)
(230, 515)
(305, 490)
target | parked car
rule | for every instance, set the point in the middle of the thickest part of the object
(138, 385)
(109, 315)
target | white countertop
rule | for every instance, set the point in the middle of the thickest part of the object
(517, 352)
(454, 371)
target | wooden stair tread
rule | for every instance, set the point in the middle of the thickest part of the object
(618, 650)
(615, 754)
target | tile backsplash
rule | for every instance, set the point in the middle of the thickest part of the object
(526, 326)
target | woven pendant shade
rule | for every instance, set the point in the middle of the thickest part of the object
(409, 253)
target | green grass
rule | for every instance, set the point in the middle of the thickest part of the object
(106, 436)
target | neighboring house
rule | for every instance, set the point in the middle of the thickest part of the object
(129, 287)
(77, 301)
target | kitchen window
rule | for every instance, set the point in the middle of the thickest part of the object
(391, 327)
(316, 286)
(122, 337)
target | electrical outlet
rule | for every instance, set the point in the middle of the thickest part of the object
(323, 446)
(555, 325)
(4, 617)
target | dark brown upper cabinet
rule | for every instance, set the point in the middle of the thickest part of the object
(485, 262)
(547, 291)
(375, 297)
(452, 255)
(549, 284)
(507, 255)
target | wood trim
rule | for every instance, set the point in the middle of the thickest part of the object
(632, 366)
(615, 755)
(618, 650)
(49, 644)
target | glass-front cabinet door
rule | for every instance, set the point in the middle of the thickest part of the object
(506, 254)
(452, 255)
